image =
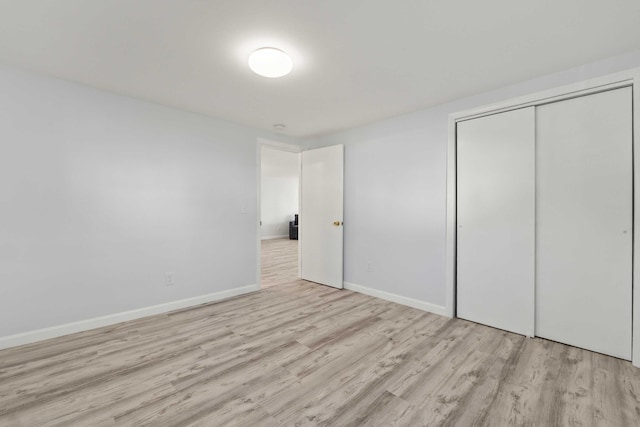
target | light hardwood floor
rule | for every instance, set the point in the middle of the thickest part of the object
(279, 262)
(297, 353)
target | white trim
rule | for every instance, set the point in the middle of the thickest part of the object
(635, 345)
(450, 227)
(280, 236)
(598, 84)
(612, 81)
(111, 319)
(279, 145)
(399, 299)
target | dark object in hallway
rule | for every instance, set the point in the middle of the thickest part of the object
(293, 229)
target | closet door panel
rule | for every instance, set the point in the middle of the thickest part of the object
(495, 220)
(584, 222)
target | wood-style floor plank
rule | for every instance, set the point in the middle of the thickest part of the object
(298, 353)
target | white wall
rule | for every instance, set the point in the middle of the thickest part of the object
(395, 189)
(279, 204)
(101, 194)
(279, 189)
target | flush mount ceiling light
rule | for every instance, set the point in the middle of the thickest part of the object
(270, 62)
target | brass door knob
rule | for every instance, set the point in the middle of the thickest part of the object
(336, 223)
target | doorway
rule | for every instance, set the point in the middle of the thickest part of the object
(279, 206)
(318, 227)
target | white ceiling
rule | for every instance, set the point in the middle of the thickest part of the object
(355, 61)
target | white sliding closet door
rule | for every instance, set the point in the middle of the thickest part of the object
(584, 222)
(495, 220)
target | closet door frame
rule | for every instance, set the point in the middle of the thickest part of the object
(629, 78)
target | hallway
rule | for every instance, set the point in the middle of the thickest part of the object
(279, 262)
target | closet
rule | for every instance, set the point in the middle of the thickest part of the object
(545, 220)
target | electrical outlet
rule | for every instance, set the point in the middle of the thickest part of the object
(169, 279)
(369, 266)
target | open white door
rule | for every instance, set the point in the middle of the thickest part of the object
(321, 210)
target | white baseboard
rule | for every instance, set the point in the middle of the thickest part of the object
(420, 305)
(111, 319)
(283, 236)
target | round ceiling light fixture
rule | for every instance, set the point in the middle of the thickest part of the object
(270, 62)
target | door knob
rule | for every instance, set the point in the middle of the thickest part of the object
(336, 223)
